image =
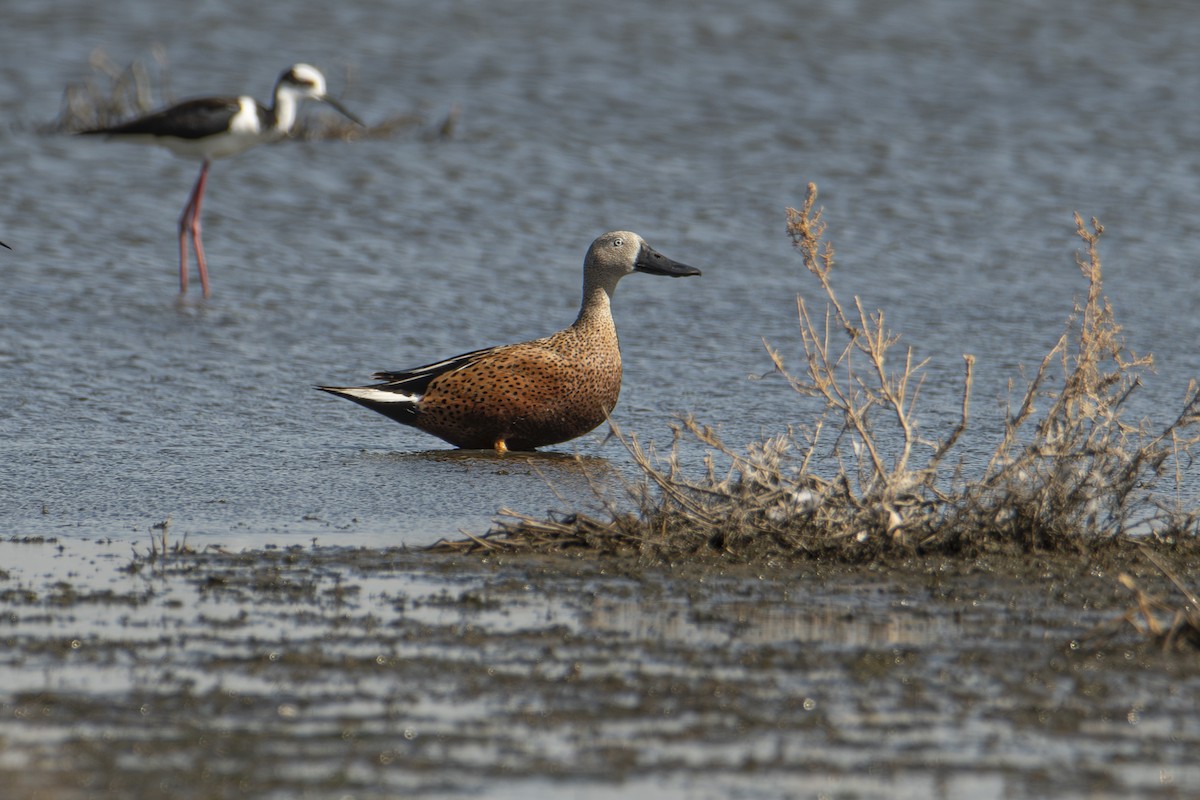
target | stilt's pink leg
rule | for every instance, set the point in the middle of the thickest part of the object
(189, 223)
(183, 227)
(201, 263)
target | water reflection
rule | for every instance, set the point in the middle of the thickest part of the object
(843, 624)
(564, 462)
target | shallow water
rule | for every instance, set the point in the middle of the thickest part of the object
(329, 672)
(951, 141)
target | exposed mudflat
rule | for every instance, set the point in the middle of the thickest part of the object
(369, 673)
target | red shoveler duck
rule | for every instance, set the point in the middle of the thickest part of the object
(532, 394)
(220, 127)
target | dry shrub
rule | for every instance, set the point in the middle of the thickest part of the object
(860, 481)
(1082, 471)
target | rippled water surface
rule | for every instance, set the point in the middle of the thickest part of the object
(378, 673)
(951, 142)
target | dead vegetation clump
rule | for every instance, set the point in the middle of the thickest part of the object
(1082, 471)
(113, 94)
(861, 481)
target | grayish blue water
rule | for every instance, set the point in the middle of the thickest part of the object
(951, 141)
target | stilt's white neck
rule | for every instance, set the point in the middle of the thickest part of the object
(286, 106)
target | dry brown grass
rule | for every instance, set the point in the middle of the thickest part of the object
(112, 94)
(1083, 471)
(859, 481)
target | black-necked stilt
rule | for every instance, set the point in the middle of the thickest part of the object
(219, 127)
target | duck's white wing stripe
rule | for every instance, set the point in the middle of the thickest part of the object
(379, 396)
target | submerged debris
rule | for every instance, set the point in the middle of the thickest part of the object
(1172, 624)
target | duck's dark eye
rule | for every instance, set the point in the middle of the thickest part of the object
(618, 242)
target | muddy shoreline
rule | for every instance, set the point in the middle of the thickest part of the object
(371, 673)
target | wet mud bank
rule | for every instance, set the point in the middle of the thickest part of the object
(370, 673)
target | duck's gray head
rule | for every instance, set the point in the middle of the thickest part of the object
(618, 253)
(306, 82)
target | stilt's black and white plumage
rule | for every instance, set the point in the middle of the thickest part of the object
(219, 127)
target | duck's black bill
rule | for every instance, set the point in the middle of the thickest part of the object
(651, 261)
